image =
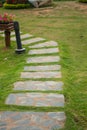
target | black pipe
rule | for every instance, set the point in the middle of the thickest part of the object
(18, 39)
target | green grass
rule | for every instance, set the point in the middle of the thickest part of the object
(66, 23)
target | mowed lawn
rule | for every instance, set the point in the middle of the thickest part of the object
(65, 23)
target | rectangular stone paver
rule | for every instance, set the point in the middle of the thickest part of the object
(22, 37)
(35, 99)
(43, 51)
(43, 59)
(42, 68)
(44, 44)
(36, 75)
(12, 33)
(1, 32)
(38, 85)
(31, 120)
(25, 42)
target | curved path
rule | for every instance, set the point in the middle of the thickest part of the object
(42, 73)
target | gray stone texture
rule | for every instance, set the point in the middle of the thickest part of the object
(42, 68)
(44, 51)
(1, 32)
(38, 85)
(12, 34)
(32, 120)
(36, 120)
(44, 44)
(36, 75)
(35, 99)
(23, 36)
(43, 59)
(26, 42)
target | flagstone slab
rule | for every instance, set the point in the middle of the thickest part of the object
(10, 120)
(43, 51)
(38, 85)
(36, 75)
(42, 68)
(12, 34)
(22, 37)
(29, 41)
(44, 44)
(35, 99)
(1, 32)
(43, 59)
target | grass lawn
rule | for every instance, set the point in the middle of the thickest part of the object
(65, 23)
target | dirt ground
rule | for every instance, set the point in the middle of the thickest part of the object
(69, 5)
(58, 6)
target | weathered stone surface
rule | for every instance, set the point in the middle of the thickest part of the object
(1, 32)
(12, 33)
(43, 59)
(38, 85)
(25, 42)
(42, 68)
(36, 120)
(32, 120)
(44, 44)
(36, 99)
(43, 51)
(36, 75)
(22, 37)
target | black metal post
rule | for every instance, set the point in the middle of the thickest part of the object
(19, 49)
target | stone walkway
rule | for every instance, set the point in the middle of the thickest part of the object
(38, 85)
(43, 59)
(31, 120)
(42, 68)
(42, 78)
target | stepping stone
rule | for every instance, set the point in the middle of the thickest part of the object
(43, 59)
(42, 68)
(22, 37)
(44, 51)
(35, 99)
(12, 33)
(32, 120)
(1, 32)
(25, 42)
(38, 85)
(45, 44)
(36, 75)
